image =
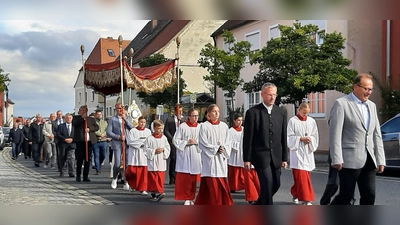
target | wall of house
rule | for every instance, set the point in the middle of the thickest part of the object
(193, 38)
(362, 46)
(394, 66)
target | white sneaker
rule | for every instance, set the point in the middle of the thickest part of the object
(44, 166)
(295, 201)
(126, 187)
(187, 202)
(144, 193)
(114, 183)
(307, 203)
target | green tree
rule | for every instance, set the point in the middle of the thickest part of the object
(298, 66)
(4, 80)
(224, 66)
(390, 97)
(169, 96)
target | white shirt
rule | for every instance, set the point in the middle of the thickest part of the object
(188, 157)
(302, 154)
(269, 108)
(236, 158)
(135, 140)
(363, 107)
(156, 162)
(214, 164)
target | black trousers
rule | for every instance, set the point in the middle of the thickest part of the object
(27, 148)
(172, 164)
(331, 187)
(364, 178)
(80, 155)
(270, 182)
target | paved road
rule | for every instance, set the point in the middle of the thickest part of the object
(23, 183)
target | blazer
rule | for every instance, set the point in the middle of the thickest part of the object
(16, 136)
(54, 126)
(62, 134)
(78, 123)
(113, 130)
(349, 138)
(170, 129)
(36, 133)
(265, 136)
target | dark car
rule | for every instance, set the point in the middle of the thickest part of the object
(6, 131)
(390, 136)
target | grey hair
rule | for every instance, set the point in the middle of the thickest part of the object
(267, 85)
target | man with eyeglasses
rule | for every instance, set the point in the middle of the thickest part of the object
(355, 143)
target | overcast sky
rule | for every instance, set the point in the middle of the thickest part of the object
(43, 57)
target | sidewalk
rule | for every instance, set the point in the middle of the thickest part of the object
(23, 186)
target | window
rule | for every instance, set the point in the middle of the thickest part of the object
(253, 99)
(92, 96)
(317, 104)
(80, 97)
(254, 40)
(274, 32)
(392, 126)
(228, 104)
(111, 52)
(321, 29)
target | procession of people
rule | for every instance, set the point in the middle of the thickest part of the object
(207, 160)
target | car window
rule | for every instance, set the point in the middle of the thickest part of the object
(6, 130)
(392, 126)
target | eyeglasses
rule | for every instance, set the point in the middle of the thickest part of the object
(366, 89)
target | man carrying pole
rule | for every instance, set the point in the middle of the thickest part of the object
(117, 127)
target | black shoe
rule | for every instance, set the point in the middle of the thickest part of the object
(98, 172)
(78, 179)
(71, 175)
(61, 174)
(37, 164)
(86, 179)
(172, 181)
(93, 167)
(26, 157)
(12, 158)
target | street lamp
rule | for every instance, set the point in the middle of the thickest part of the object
(83, 70)
(130, 64)
(178, 43)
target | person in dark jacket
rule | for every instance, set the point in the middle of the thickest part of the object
(16, 138)
(26, 144)
(37, 138)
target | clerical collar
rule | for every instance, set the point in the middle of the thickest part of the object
(214, 123)
(157, 135)
(269, 108)
(301, 118)
(191, 124)
(239, 128)
(140, 128)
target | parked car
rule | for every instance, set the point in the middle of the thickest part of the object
(6, 132)
(390, 136)
(2, 141)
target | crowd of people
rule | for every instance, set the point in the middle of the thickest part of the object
(219, 159)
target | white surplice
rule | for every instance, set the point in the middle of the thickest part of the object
(188, 158)
(236, 158)
(211, 137)
(135, 140)
(157, 162)
(301, 154)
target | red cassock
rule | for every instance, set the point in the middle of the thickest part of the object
(235, 178)
(302, 187)
(155, 181)
(136, 176)
(251, 185)
(214, 191)
(185, 186)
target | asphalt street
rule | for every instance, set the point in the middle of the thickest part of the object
(23, 183)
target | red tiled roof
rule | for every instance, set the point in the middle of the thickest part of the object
(99, 54)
